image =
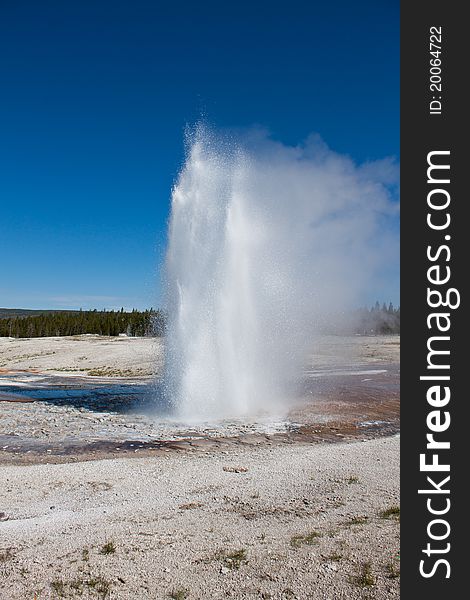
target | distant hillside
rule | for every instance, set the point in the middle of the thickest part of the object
(8, 313)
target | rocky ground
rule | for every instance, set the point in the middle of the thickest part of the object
(92, 355)
(100, 500)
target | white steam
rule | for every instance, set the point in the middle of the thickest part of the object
(266, 242)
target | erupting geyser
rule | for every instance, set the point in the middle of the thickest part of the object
(265, 242)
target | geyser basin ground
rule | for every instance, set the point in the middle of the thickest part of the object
(229, 514)
(89, 397)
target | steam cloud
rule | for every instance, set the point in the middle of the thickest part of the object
(266, 243)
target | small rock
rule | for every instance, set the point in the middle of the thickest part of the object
(3, 516)
(235, 469)
(224, 570)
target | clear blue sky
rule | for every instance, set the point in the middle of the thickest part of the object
(95, 95)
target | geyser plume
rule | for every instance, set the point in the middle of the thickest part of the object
(265, 243)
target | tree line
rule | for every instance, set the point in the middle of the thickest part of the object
(377, 320)
(111, 323)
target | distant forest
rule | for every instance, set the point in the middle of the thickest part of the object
(378, 320)
(49, 324)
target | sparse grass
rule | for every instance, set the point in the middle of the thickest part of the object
(100, 585)
(234, 560)
(59, 587)
(110, 372)
(85, 554)
(357, 521)
(331, 533)
(365, 577)
(36, 355)
(98, 372)
(190, 505)
(6, 554)
(393, 511)
(392, 570)
(113, 372)
(75, 587)
(352, 479)
(64, 369)
(108, 548)
(305, 540)
(100, 486)
(180, 594)
(335, 557)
